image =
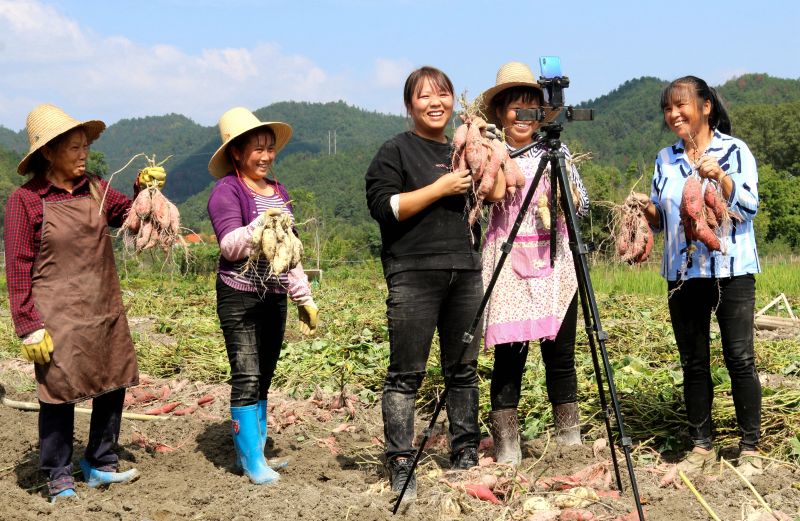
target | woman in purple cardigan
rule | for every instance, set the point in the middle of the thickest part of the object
(251, 301)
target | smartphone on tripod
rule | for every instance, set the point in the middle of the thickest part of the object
(550, 66)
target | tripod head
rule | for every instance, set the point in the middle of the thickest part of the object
(553, 83)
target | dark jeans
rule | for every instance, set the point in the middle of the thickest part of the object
(253, 326)
(690, 308)
(419, 303)
(559, 366)
(56, 431)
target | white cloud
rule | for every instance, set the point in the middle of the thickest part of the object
(48, 57)
(391, 73)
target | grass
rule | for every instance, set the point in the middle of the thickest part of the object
(181, 338)
(779, 275)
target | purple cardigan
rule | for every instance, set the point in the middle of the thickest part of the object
(231, 206)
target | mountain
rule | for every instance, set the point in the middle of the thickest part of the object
(9, 179)
(14, 141)
(629, 126)
(192, 145)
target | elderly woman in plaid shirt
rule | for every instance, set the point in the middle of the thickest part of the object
(65, 296)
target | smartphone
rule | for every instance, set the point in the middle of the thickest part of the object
(550, 66)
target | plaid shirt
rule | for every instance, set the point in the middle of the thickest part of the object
(23, 237)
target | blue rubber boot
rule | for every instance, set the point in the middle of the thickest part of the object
(97, 478)
(67, 493)
(247, 440)
(275, 463)
(262, 422)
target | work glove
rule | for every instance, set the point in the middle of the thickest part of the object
(152, 176)
(262, 218)
(492, 132)
(308, 315)
(37, 346)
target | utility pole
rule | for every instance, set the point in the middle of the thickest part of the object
(334, 141)
(329, 142)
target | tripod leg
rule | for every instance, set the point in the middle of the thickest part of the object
(598, 376)
(589, 303)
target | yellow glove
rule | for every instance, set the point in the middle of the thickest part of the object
(308, 315)
(37, 346)
(152, 176)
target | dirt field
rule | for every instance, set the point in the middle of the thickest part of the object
(335, 471)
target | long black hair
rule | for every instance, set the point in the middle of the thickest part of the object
(718, 118)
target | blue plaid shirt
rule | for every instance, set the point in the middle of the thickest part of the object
(738, 255)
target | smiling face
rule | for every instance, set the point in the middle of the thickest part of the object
(68, 155)
(430, 109)
(685, 114)
(518, 133)
(254, 156)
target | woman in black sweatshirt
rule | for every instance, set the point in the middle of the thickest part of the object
(432, 264)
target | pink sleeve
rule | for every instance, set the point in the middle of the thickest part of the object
(299, 289)
(236, 243)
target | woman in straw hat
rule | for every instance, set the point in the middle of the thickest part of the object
(65, 296)
(531, 300)
(432, 267)
(251, 301)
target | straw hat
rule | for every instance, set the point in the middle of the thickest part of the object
(46, 122)
(511, 74)
(233, 124)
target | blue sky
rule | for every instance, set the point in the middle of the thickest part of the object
(116, 59)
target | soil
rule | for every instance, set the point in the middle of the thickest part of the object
(336, 470)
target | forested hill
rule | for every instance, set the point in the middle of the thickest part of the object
(192, 145)
(14, 141)
(629, 127)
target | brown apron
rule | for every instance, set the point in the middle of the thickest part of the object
(76, 290)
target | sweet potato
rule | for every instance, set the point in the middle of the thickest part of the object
(694, 222)
(160, 209)
(714, 201)
(205, 400)
(132, 221)
(515, 172)
(142, 205)
(475, 152)
(163, 409)
(481, 492)
(184, 410)
(543, 208)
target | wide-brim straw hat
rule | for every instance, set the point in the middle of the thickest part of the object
(46, 122)
(233, 124)
(511, 74)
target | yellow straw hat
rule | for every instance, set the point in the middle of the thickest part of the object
(233, 124)
(511, 74)
(46, 122)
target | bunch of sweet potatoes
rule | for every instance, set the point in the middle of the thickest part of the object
(485, 158)
(151, 221)
(634, 238)
(704, 214)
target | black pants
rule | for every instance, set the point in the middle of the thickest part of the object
(419, 303)
(690, 308)
(559, 366)
(253, 326)
(56, 431)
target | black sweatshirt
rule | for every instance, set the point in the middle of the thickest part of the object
(436, 238)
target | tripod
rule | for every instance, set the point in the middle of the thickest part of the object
(597, 337)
